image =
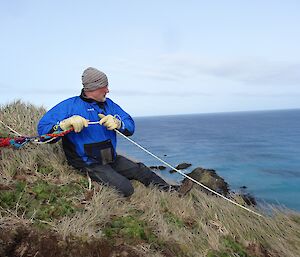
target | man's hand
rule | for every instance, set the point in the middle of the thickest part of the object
(76, 121)
(109, 121)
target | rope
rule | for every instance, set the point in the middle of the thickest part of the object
(19, 141)
(18, 134)
(4, 142)
(188, 177)
(51, 137)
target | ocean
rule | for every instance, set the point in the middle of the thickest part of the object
(256, 150)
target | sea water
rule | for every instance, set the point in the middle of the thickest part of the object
(257, 150)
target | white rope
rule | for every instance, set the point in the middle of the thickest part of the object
(18, 134)
(44, 142)
(188, 177)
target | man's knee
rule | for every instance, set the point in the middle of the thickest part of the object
(112, 179)
(126, 190)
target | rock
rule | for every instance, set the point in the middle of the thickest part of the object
(158, 167)
(211, 179)
(248, 199)
(161, 167)
(181, 166)
(185, 187)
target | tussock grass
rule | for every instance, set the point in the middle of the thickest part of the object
(97, 213)
(20, 116)
(154, 223)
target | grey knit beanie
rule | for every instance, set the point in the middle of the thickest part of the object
(93, 79)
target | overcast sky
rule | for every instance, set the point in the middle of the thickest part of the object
(161, 57)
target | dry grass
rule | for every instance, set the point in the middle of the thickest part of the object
(188, 226)
(22, 117)
(213, 219)
(104, 204)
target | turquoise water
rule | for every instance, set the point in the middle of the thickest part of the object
(259, 150)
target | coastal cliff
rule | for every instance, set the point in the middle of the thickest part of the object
(48, 209)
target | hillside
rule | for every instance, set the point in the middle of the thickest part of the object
(48, 209)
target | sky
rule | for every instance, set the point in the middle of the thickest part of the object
(161, 57)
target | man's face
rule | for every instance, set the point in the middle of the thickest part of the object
(98, 94)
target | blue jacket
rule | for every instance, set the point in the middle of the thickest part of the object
(94, 144)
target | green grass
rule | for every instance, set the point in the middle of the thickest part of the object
(45, 169)
(131, 228)
(229, 248)
(41, 200)
(173, 219)
(170, 217)
(4, 133)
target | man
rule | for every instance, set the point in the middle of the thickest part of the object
(92, 148)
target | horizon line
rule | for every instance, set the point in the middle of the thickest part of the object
(222, 112)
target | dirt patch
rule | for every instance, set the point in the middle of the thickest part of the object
(28, 242)
(5, 187)
(256, 249)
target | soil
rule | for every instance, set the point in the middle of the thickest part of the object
(256, 249)
(29, 242)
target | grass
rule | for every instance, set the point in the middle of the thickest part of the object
(38, 187)
(41, 200)
(130, 228)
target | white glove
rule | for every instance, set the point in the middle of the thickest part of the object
(76, 121)
(109, 121)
